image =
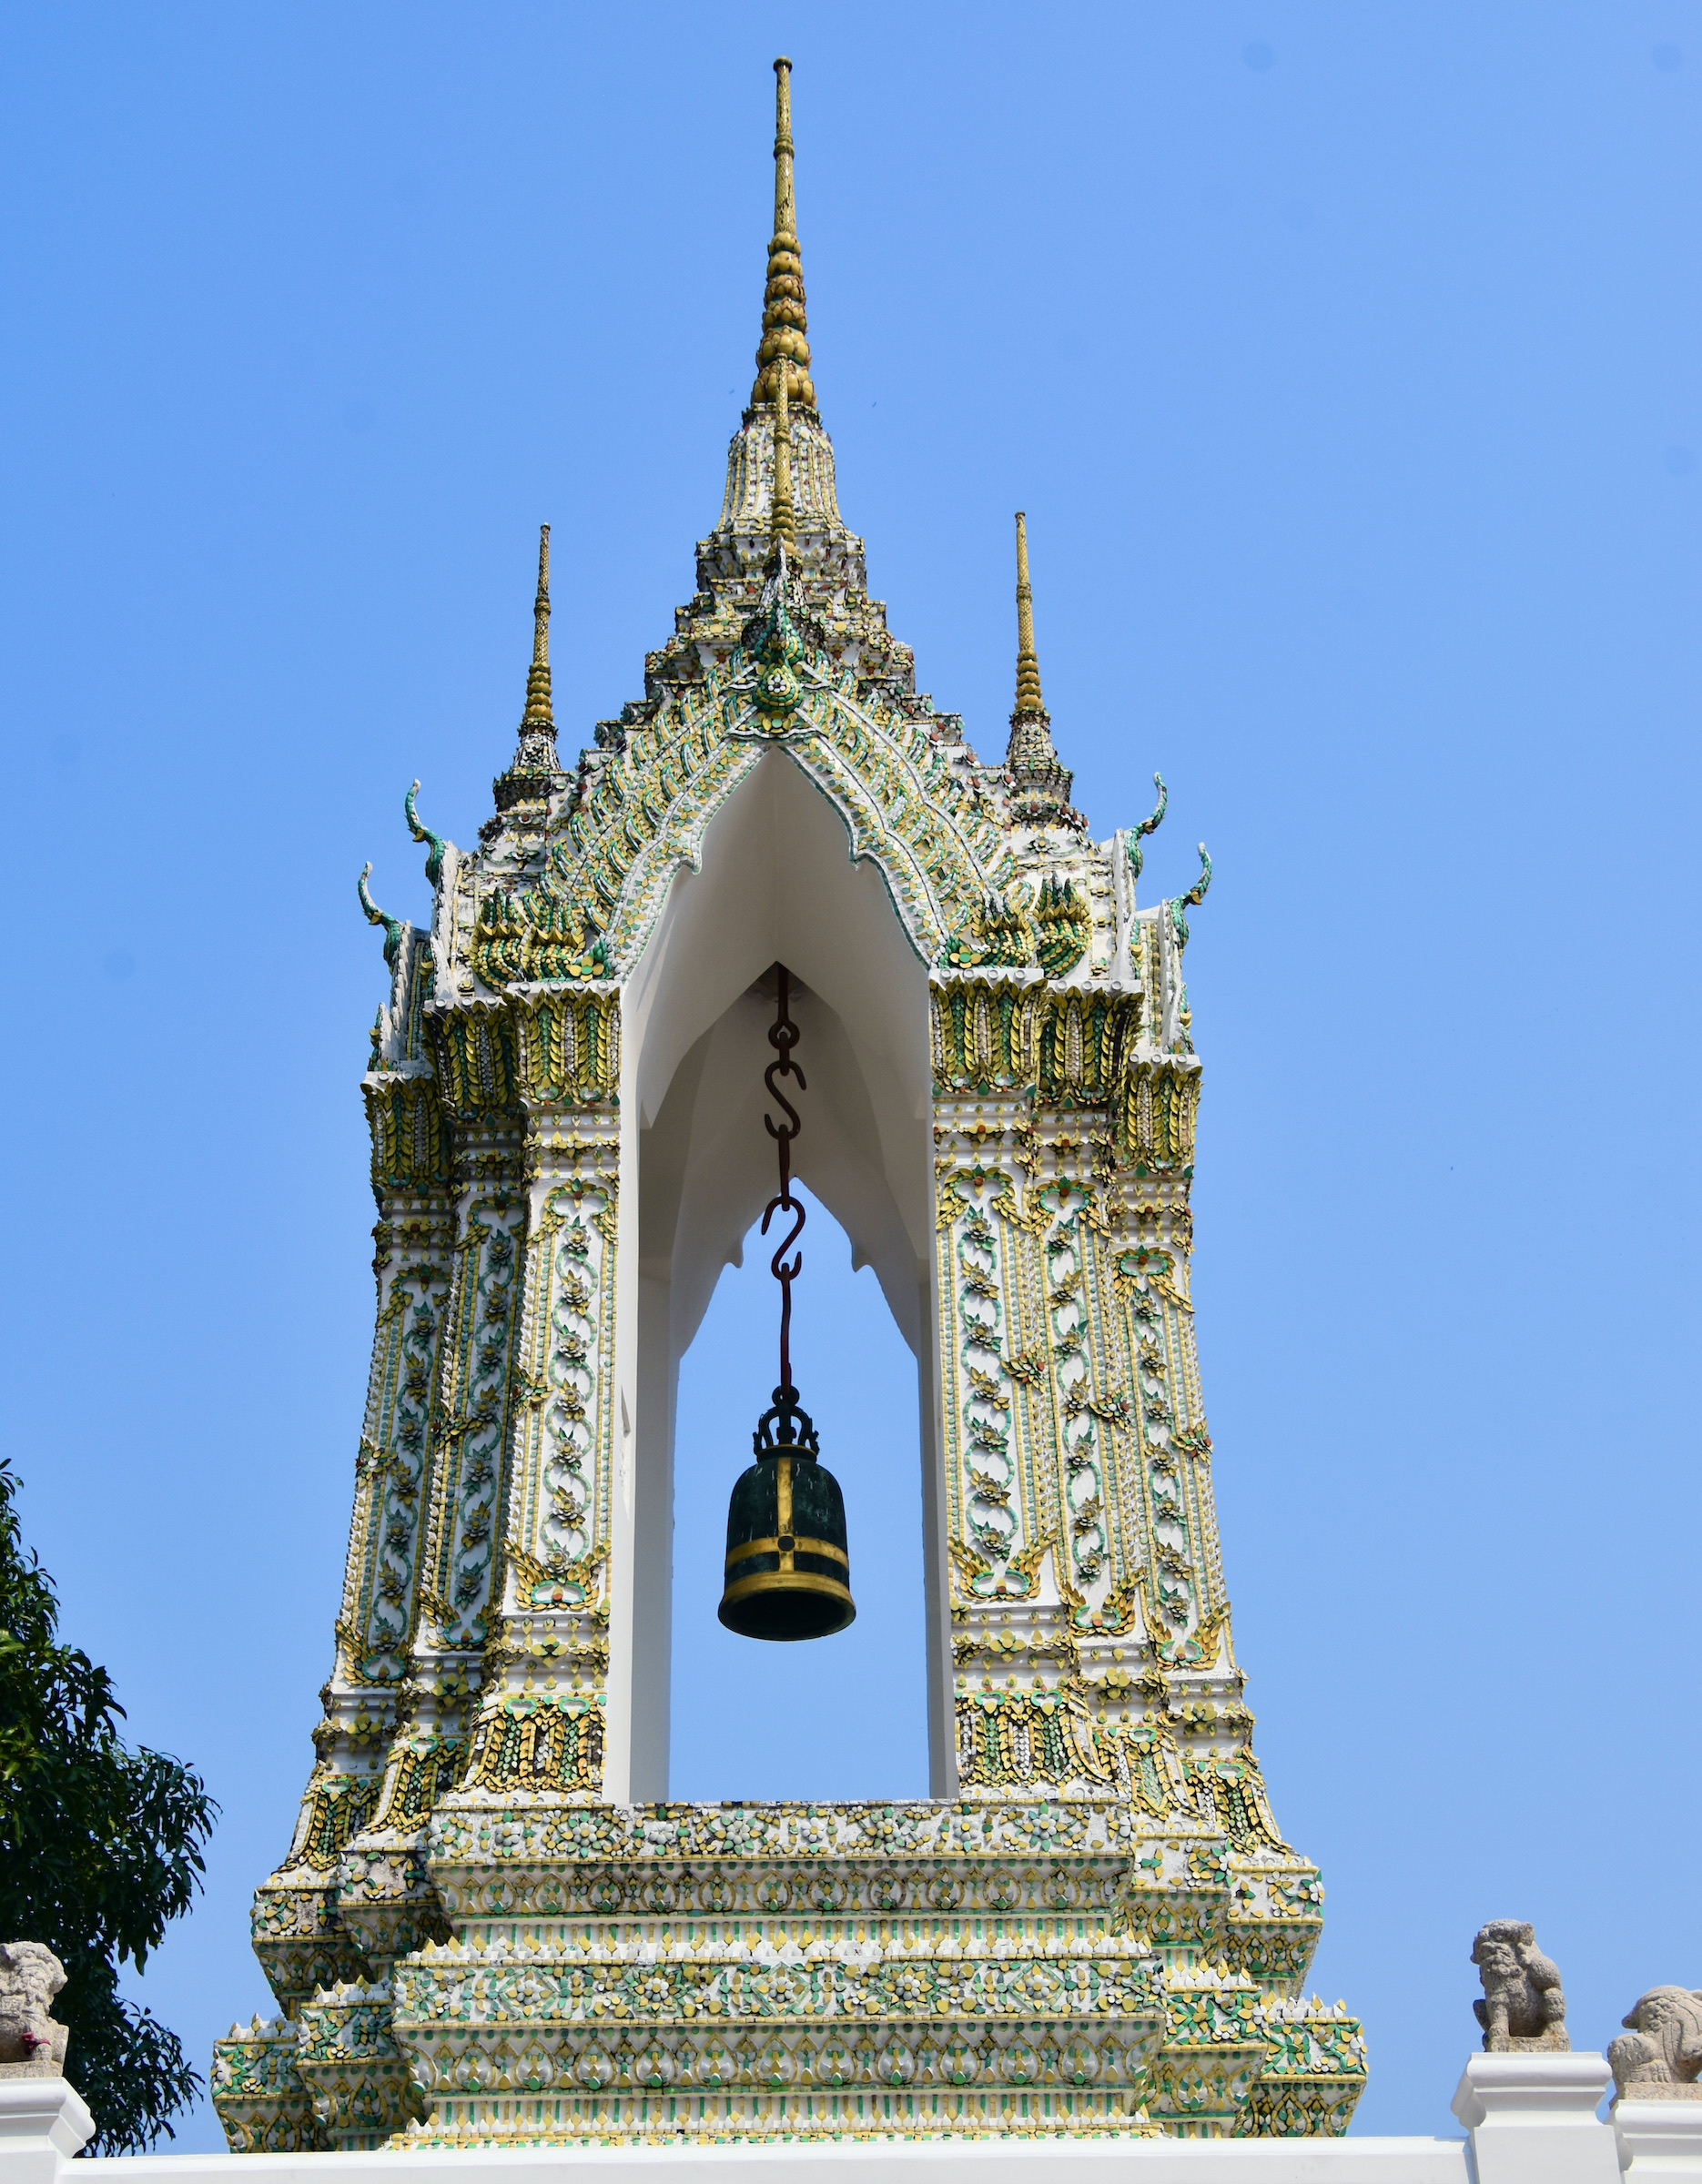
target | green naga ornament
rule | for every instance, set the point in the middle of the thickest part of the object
(1063, 925)
(778, 643)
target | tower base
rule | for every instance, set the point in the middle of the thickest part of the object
(1061, 1969)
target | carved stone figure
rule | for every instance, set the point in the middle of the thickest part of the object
(1522, 2005)
(31, 2042)
(1658, 2057)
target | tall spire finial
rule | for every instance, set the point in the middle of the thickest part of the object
(785, 322)
(539, 713)
(1039, 785)
(1029, 699)
(783, 522)
(535, 771)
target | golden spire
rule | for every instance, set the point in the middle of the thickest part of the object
(1029, 699)
(533, 772)
(539, 713)
(784, 319)
(1039, 785)
(783, 522)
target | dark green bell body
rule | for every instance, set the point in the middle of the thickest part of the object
(788, 1573)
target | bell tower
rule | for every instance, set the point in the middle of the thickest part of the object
(491, 1927)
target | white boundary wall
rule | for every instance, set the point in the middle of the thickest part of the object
(1529, 2119)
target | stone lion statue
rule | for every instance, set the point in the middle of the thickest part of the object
(1522, 2005)
(1658, 2057)
(30, 1977)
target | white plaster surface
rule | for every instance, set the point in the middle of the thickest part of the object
(1155, 2161)
(43, 2122)
(1531, 2119)
(1658, 2139)
(1532, 2116)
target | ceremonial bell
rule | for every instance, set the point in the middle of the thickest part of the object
(788, 1575)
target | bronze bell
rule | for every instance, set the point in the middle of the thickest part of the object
(788, 1573)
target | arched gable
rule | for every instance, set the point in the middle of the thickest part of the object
(911, 803)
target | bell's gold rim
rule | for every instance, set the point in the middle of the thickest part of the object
(800, 1545)
(787, 1580)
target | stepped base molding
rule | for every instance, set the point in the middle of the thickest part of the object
(1059, 1969)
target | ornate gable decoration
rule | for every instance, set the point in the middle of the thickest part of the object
(908, 800)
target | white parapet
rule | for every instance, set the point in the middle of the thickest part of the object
(43, 2122)
(1660, 2139)
(1530, 2118)
(986, 2162)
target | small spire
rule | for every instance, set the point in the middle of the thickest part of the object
(539, 714)
(535, 771)
(783, 522)
(1029, 699)
(1039, 787)
(785, 322)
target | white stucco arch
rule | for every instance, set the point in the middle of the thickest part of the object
(776, 883)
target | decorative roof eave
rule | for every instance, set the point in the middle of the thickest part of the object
(919, 808)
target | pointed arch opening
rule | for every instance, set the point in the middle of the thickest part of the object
(844, 1718)
(776, 883)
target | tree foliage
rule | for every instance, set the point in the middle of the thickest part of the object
(100, 1848)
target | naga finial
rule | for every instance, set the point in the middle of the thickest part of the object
(1196, 894)
(434, 862)
(1136, 855)
(375, 916)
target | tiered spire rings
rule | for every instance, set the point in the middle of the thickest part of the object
(1029, 699)
(539, 715)
(1040, 785)
(785, 323)
(535, 771)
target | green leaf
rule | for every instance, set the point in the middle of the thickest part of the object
(101, 1847)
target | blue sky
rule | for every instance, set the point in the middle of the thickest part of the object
(1345, 360)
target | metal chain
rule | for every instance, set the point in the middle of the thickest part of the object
(783, 1036)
